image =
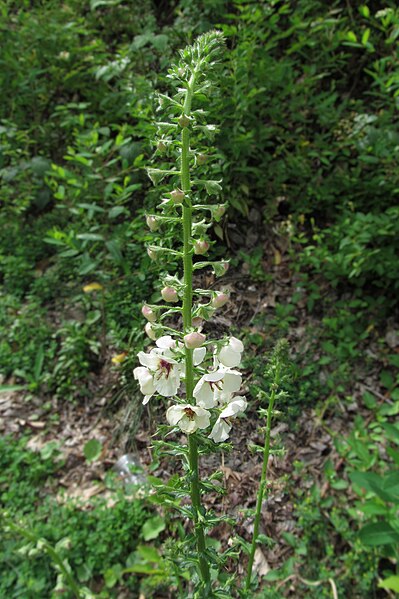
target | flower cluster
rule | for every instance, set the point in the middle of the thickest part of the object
(198, 374)
(162, 371)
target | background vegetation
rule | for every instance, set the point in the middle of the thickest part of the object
(308, 149)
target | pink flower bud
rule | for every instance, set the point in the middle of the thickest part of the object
(169, 294)
(150, 331)
(177, 196)
(152, 222)
(202, 158)
(220, 300)
(194, 340)
(152, 254)
(197, 322)
(148, 313)
(184, 121)
(161, 147)
(219, 212)
(201, 247)
(225, 266)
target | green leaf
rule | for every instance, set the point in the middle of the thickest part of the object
(92, 450)
(213, 187)
(364, 11)
(9, 388)
(391, 583)
(379, 533)
(37, 369)
(351, 36)
(365, 36)
(90, 237)
(386, 488)
(97, 3)
(160, 42)
(149, 553)
(153, 527)
(113, 575)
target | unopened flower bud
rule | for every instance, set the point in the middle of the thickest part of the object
(148, 313)
(201, 247)
(219, 212)
(150, 331)
(152, 222)
(202, 159)
(161, 147)
(152, 254)
(220, 300)
(169, 294)
(181, 72)
(194, 340)
(197, 321)
(184, 121)
(177, 196)
(225, 266)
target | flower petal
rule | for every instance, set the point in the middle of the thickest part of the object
(220, 431)
(229, 357)
(199, 355)
(236, 345)
(165, 342)
(174, 413)
(202, 418)
(145, 380)
(233, 408)
(167, 382)
(232, 381)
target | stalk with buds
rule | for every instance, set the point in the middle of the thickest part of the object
(195, 374)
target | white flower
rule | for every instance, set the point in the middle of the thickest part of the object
(222, 426)
(230, 354)
(164, 370)
(144, 377)
(189, 418)
(215, 386)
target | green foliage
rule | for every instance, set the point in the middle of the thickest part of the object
(23, 474)
(92, 541)
(360, 248)
(308, 97)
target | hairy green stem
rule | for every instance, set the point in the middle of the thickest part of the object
(263, 478)
(187, 318)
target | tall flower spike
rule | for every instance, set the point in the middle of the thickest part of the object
(208, 395)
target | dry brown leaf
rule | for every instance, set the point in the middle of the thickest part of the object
(36, 424)
(260, 565)
(229, 473)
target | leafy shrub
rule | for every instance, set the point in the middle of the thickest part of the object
(361, 248)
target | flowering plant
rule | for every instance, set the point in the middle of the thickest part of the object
(195, 375)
